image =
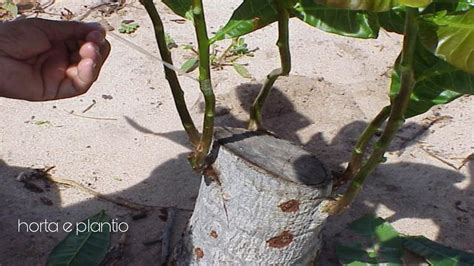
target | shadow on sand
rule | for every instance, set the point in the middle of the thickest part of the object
(397, 186)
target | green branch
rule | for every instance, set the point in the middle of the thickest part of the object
(255, 122)
(361, 147)
(178, 94)
(396, 119)
(198, 159)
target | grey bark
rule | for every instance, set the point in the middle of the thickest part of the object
(259, 204)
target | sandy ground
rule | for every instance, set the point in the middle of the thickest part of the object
(139, 153)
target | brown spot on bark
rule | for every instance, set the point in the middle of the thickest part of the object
(282, 240)
(290, 206)
(199, 253)
(213, 234)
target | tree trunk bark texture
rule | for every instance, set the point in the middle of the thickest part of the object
(259, 203)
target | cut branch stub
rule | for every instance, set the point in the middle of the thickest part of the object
(263, 207)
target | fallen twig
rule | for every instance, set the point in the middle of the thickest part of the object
(121, 202)
(467, 159)
(89, 107)
(43, 174)
(116, 200)
(89, 11)
(406, 141)
(91, 117)
(432, 154)
(458, 206)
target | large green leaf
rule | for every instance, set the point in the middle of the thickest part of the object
(249, 16)
(350, 23)
(376, 227)
(440, 5)
(393, 20)
(357, 256)
(83, 246)
(373, 5)
(451, 38)
(385, 248)
(181, 8)
(437, 254)
(436, 82)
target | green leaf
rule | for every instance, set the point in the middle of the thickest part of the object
(239, 47)
(128, 26)
(386, 244)
(393, 20)
(187, 47)
(439, 5)
(437, 254)
(373, 5)
(436, 82)
(353, 256)
(451, 38)
(190, 65)
(181, 8)
(242, 70)
(356, 256)
(249, 16)
(376, 227)
(83, 246)
(350, 23)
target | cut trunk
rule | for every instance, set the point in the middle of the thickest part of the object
(259, 203)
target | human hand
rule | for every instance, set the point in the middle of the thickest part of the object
(46, 60)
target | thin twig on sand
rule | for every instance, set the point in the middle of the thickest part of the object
(91, 117)
(432, 154)
(116, 200)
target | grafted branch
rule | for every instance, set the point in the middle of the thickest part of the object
(361, 147)
(396, 119)
(178, 94)
(283, 44)
(198, 158)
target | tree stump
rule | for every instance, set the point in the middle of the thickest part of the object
(259, 203)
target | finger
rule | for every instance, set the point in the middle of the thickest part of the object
(67, 89)
(98, 54)
(65, 30)
(90, 50)
(80, 77)
(104, 50)
(86, 73)
(97, 37)
(53, 71)
(73, 85)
